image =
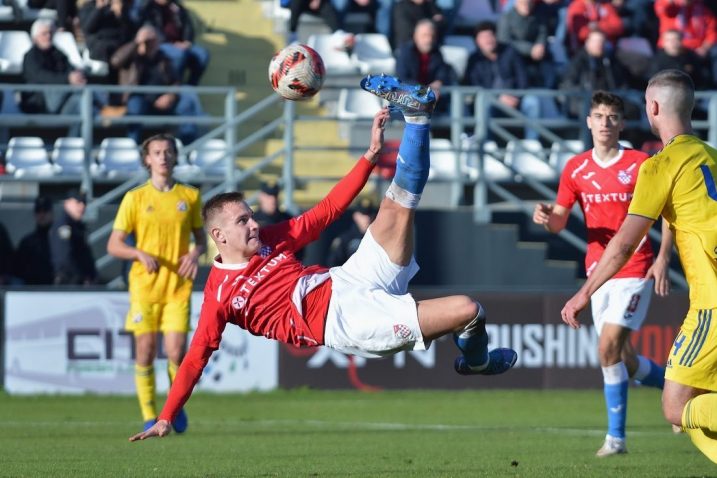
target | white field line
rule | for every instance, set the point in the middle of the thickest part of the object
(350, 426)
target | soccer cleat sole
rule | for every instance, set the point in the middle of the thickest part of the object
(180, 422)
(412, 100)
(500, 361)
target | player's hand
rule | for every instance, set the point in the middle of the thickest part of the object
(188, 266)
(160, 429)
(541, 213)
(659, 272)
(149, 262)
(379, 124)
(573, 307)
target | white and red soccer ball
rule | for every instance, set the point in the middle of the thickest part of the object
(297, 72)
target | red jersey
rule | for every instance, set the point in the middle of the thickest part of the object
(582, 14)
(273, 294)
(696, 22)
(604, 191)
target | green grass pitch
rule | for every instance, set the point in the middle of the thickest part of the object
(346, 434)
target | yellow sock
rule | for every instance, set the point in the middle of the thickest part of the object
(144, 381)
(171, 371)
(699, 421)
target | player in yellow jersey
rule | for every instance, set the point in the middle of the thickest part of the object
(163, 216)
(678, 183)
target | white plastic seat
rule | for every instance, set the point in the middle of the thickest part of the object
(493, 167)
(561, 152)
(183, 170)
(66, 43)
(444, 164)
(13, 46)
(69, 155)
(372, 53)
(6, 14)
(466, 41)
(95, 67)
(211, 157)
(119, 157)
(625, 143)
(27, 156)
(336, 62)
(457, 57)
(354, 104)
(30, 14)
(527, 158)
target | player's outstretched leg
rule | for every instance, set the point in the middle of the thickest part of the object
(472, 341)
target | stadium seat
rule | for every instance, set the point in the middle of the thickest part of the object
(337, 62)
(27, 156)
(31, 14)
(119, 157)
(372, 53)
(68, 155)
(625, 143)
(6, 14)
(354, 104)
(211, 157)
(457, 57)
(465, 41)
(95, 67)
(561, 152)
(494, 168)
(66, 43)
(444, 163)
(184, 170)
(13, 46)
(527, 158)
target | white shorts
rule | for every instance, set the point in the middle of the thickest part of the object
(622, 302)
(371, 313)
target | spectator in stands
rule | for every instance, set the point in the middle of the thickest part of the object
(526, 30)
(697, 23)
(268, 211)
(66, 11)
(407, 14)
(71, 254)
(33, 264)
(107, 26)
(347, 243)
(591, 69)
(174, 26)
(674, 55)
(420, 61)
(324, 9)
(6, 256)
(498, 66)
(638, 18)
(585, 16)
(45, 64)
(367, 7)
(142, 62)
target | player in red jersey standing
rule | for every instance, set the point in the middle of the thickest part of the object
(602, 181)
(361, 307)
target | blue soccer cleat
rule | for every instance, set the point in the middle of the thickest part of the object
(411, 100)
(500, 360)
(149, 424)
(180, 422)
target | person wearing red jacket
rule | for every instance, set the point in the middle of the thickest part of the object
(586, 15)
(696, 22)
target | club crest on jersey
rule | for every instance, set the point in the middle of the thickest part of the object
(238, 302)
(181, 206)
(401, 331)
(265, 251)
(624, 177)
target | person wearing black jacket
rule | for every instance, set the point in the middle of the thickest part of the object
(174, 26)
(72, 258)
(32, 263)
(106, 25)
(45, 64)
(407, 14)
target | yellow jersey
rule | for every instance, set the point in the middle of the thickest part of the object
(679, 183)
(162, 223)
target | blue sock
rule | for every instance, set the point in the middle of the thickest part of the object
(616, 381)
(413, 158)
(473, 341)
(649, 373)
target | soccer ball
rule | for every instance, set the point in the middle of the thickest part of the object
(297, 72)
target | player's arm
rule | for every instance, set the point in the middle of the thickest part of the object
(617, 253)
(553, 217)
(308, 226)
(659, 270)
(189, 262)
(118, 247)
